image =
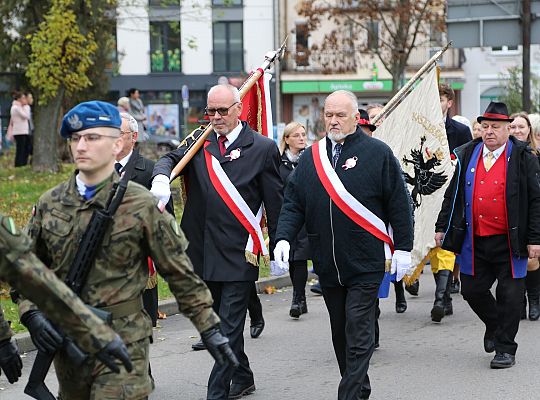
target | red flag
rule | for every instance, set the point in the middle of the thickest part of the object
(257, 108)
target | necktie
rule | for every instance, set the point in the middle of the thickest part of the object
(221, 141)
(118, 167)
(337, 152)
(489, 161)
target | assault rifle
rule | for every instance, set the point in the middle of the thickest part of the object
(100, 222)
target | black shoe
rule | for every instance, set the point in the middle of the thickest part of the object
(198, 346)
(489, 343)
(256, 328)
(441, 281)
(503, 360)
(239, 390)
(401, 307)
(316, 288)
(401, 303)
(455, 286)
(295, 310)
(448, 309)
(303, 305)
(413, 289)
(534, 303)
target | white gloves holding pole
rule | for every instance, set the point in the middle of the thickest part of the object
(161, 188)
(401, 264)
(280, 265)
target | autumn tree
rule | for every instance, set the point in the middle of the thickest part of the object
(56, 44)
(388, 29)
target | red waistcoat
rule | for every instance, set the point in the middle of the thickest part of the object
(489, 198)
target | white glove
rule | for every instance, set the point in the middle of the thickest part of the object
(278, 268)
(281, 251)
(401, 264)
(161, 188)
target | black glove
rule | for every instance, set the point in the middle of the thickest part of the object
(45, 337)
(10, 362)
(115, 350)
(218, 346)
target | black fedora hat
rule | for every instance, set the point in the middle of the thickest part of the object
(495, 112)
(364, 120)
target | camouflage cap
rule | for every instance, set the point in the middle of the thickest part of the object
(90, 114)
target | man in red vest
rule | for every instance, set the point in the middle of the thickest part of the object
(491, 218)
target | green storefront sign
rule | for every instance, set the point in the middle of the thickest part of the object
(290, 87)
(330, 86)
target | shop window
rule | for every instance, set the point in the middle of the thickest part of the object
(165, 53)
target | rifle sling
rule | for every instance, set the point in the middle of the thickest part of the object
(125, 308)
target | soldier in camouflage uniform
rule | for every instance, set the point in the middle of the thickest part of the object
(22, 270)
(118, 278)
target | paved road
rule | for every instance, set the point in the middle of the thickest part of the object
(418, 360)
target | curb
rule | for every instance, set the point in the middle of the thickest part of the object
(170, 307)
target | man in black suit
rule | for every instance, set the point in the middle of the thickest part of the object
(142, 174)
(456, 132)
(229, 179)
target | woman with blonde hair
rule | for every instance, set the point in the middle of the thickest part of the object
(291, 146)
(521, 129)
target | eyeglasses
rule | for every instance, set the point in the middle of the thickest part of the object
(89, 137)
(125, 133)
(222, 111)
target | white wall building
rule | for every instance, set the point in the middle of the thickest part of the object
(161, 48)
(484, 75)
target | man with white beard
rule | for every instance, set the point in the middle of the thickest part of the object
(347, 189)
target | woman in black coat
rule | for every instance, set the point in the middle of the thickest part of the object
(292, 145)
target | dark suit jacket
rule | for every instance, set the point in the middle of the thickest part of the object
(142, 174)
(217, 239)
(457, 133)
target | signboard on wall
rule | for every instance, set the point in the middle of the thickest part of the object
(163, 119)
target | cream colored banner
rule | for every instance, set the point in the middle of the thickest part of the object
(415, 132)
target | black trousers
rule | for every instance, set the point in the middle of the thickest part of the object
(150, 301)
(502, 315)
(22, 151)
(352, 320)
(298, 273)
(233, 303)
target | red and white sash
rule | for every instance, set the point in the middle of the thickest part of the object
(346, 202)
(240, 209)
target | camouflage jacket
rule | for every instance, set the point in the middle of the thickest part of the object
(120, 271)
(24, 272)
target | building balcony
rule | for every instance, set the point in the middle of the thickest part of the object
(451, 59)
(342, 61)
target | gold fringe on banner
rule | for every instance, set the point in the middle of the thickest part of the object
(252, 258)
(387, 265)
(409, 280)
(152, 282)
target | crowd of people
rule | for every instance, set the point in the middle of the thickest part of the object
(330, 202)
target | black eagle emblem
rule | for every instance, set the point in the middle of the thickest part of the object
(425, 181)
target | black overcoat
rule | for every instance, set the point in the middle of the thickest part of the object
(217, 240)
(344, 253)
(457, 133)
(299, 246)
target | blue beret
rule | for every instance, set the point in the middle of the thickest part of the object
(90, 114)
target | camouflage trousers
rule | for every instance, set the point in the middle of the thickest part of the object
(94, 381)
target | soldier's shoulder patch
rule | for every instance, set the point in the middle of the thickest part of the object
(160, 206)
(175, 227)
(9, 225)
